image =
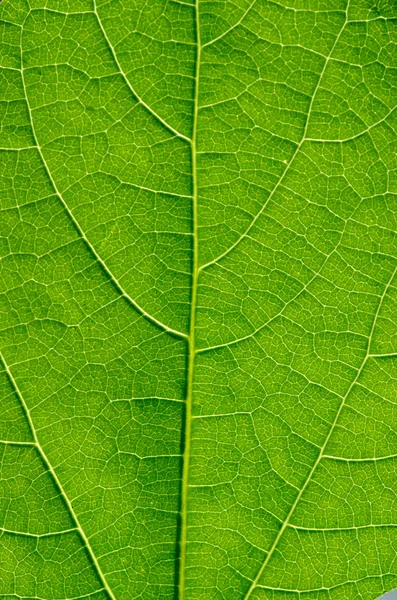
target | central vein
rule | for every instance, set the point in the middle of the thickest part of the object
(192, 327)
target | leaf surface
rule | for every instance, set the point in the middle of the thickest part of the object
(198, 299)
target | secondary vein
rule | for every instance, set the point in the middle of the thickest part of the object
(322, 450)
(81, 233)
(127, 81)
(289, 164)
(192, 327)
(57, 482)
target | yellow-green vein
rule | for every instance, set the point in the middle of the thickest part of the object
(191, 339)
(58, 484)
(285, 524)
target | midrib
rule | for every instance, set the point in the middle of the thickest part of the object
(192, 328)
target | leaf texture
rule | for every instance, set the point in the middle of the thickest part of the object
(198, 299)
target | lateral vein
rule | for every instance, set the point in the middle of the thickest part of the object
(322, 450)
(81, 233)
(288, 166)
(140, 100)
(58, 484)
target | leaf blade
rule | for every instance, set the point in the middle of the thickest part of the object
(199, 299)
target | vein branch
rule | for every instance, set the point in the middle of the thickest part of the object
(321, 454)
(58, 484)
(132, 90)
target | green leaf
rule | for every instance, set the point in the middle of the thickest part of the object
(198, 299)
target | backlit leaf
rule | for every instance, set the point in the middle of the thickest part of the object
(198, 299)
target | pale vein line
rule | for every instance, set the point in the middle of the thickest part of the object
(182, 3)
(286, 170)
(3, 149)
(58, 484)
(129, 184)
(303, 9)
(140, 100)
(337, 529)
(79, 597)
(357, 135)
(392, 355)
(149, 456)
(381, 18)
(61, 12)
(81, 233)
(321, 453)
(192, 328)
(230, 28)
(322, 589)
(360, 460)
(12, 443)
(147, 399)
(37, 535)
